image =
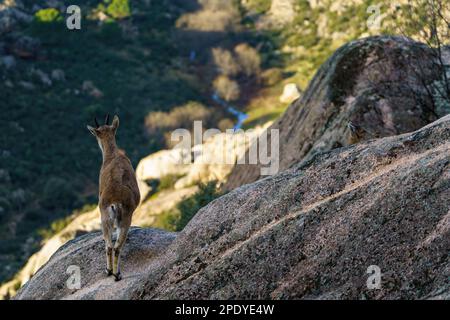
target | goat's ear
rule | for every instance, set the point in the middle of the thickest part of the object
(115, 123)
(92, 130)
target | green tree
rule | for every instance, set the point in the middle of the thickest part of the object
(226, 88)
(47, 15)
(119, 9)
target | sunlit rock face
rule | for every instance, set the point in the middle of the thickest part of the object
(290, 93)
(162, 163)
(282, 11)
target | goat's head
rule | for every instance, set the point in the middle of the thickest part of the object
(105, 132)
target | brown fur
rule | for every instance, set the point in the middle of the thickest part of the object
(118, 194)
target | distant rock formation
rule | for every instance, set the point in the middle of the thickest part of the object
(311, 232)
(204, 162)
(290, 93)
(370, 82)
(281, 13)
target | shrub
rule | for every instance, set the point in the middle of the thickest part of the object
(58, 193)
(191, 205)
(225, 124)
(259, 6)
(215, 16)
(225, 62)
(19, 197)
(248, 59)
(167, 220)
(272, 76)
(119, 9)
(47, 15)
(217, 5)
(161, 123)
(4, 206)
(226, 88)
(55, 227)
(111, 33)
(179, 117)
(178, 218)
(168, 181)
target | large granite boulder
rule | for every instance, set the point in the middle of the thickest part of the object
(87, 254)
(381, 84)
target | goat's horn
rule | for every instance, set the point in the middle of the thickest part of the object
(96, 123)
(107, 119)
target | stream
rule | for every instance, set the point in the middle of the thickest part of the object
(241, 116)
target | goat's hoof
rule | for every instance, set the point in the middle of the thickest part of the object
(108, 272)
(117, 277)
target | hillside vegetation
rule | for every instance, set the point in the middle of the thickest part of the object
(129, 64)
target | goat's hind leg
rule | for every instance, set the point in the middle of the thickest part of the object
(107, 236)
(122, 233)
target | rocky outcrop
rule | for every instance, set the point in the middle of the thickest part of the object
(290, 93)
(312, 231)
(86, 254)
(372, 82)
(212, 160)
(280, 14)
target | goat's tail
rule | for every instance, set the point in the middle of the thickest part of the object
(114, 213)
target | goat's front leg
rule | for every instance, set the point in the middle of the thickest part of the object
(107, 236)
(122, 232)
